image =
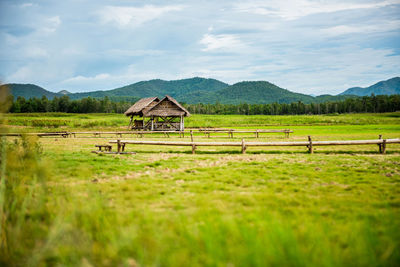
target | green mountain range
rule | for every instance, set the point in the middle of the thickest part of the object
(388, 87)
(258, 92)
(160, 88)
(28, 90)
(201, 90)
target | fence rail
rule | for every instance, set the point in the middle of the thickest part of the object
(310, 144)
(206, 132)
(62, 134)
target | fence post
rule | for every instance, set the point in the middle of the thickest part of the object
(191, 135)
(384, 146)
(243, 146)
(310, 146)
(380, 145)
(119, 146)
(193, 149)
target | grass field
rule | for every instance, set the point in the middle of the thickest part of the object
(62, 205)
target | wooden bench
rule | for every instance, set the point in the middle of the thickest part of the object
(106, 147)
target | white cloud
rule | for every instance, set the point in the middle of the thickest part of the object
(134, 52)
(293, 9)
(35, 52)
(133, 16)
(25, 5)
(220, 42)
(51, 24)
(23, 74)
(349, 29)
(81, 50)
(84, 79)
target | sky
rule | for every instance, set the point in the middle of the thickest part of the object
(306, 46)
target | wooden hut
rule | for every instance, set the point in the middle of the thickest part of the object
(157, 115)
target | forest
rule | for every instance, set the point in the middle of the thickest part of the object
(370, 104)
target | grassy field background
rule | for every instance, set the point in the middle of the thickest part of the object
(62, 205)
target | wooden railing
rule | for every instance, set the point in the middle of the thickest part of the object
(60, 134)
(206, 132)
(310, 144)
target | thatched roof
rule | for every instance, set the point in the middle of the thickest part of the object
(168, 106)
(140, 107)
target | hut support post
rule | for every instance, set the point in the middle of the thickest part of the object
(130, 123)
(181, 123)
(152, 123)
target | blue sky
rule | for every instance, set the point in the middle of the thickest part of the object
(312, 47)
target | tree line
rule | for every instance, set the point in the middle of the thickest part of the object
(370, 104)
(65, 104)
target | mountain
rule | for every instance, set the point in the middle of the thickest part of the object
(159, 88)
(28, 91)
(64, 92)
(332, 98)
(191, 91)
(258, 92)
(201, 90)
(388, 87)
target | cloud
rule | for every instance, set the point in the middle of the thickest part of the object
(133, 16)
(294, 9)
(35, 52)
(225, 42)
(23, 74)
(350, 29)
(83, 79)
(307, 46)
(134, 52)
(25, 5)
(51, 24)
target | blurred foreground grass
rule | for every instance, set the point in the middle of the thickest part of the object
(62, 205)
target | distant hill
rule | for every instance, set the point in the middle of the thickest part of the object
(388, 87)
(64, 92)
(331, 98)
(29, 91)
(201, 90)
(159, 88)
(258, 92)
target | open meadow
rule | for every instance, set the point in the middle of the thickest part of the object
(163, 206)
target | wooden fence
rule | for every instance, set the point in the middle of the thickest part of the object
(51, 134)
(206, 132)
(310, 144)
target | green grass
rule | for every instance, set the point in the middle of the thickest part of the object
(164, 206)
(68, 121)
